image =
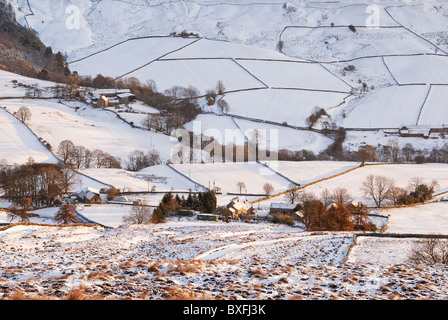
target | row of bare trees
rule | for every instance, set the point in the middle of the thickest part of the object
(138, 160)
(42, 183)
(162, 123)
(382, 190)
(391, 152)
(80, 157)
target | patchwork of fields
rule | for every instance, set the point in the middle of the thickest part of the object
(370, 72)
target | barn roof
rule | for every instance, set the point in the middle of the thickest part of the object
(286, 206)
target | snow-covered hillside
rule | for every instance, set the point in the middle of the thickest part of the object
(372, 66)
(239, 42)
(18, 143)
(88, 127)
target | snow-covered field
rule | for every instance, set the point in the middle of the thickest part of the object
(294, 75)
(88, 127)
(227, 175)
(136, 53)
(420, 69)
(284, 137)
(426, 21)
(18, 143)
(421, 219)
(433, 109)
(340, 43)
(206, 260)
(162, 178)
(401, 174)
(206, 48)
(201, 74)
(402, 104)
(304, 172)
(279, 105)
(9, 89)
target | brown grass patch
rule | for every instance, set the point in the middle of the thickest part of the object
(257, 273)
(100, 275)
(181, 293)
(81, 294)
(186, 266)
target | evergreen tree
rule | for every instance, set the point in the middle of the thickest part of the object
(66, 214)
(158, 214)
(167, 197)
(208, 201)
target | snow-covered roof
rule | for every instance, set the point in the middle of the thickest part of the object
(286, 206)
(125, 95)
(90, 195)
(105, 91)
(101, 92)
(238, 205)
(87, 192)
(421, 129)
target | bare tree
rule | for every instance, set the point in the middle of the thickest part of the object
(138, 215)
(65, 151)
(394, 150)
(68, 179)
(341, 196)
(268, 188)
(88, 157)
(191, 92)
(366, 153)
(326, 197)
(78, 156)
(105, 160)
(21, 211)
(23, 114)
(153, 157)
(378, 188)
(241, 186)
(137, 160)
(293, 194)
(33, 91)
(430, 251)
(147, 122)
(220, 87)
(414, 183)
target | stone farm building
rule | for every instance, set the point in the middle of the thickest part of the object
(285, 208)
(103, 98)
(89, 195)
(423, 131)
(238, 208)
